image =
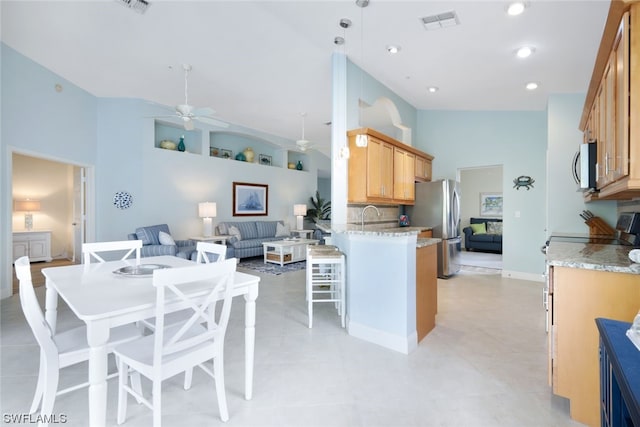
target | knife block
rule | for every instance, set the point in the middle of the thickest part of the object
(597, 227)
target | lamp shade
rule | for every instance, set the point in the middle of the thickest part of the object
(207, 210)
(26, 205)
(299, 210)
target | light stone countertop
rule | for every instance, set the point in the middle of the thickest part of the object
(592, 256)
(370, 230)
(427, 241)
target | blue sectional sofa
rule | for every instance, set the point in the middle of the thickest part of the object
(252, 235)
(151, 245)
(490, 240)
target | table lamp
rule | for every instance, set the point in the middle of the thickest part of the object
(207, 211)
(299, 211)
(27, 206)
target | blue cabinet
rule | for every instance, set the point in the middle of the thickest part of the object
(619, 375)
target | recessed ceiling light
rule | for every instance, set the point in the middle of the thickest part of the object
(432, 89)
(532, 86)
(393, 49)
(525, 51)
(516, 8)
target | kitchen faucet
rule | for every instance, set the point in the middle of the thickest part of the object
(364, 210)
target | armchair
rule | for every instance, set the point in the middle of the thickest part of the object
(153, 246)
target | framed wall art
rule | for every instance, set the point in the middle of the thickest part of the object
(263, 159)
(491, 204)
(226, 154)
(250, 199)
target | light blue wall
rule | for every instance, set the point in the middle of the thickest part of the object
(361, 85)
(515, 140)
(564, 201)
(117, 138)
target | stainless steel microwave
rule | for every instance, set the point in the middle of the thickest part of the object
(588, 177)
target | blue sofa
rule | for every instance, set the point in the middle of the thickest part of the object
(252, 235)
(490, 242)
(151, 243)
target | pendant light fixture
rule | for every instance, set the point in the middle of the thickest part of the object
(361, 140)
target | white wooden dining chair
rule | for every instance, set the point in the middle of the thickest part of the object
(173, 350)
(60, 350)
(205, 249)
(93, 250)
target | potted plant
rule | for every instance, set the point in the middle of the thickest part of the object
(321, 209)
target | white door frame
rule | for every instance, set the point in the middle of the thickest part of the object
(7, 203)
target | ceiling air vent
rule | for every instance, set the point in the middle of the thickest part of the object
(441, 20)
(139, 6)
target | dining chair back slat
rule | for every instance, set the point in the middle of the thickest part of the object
(93, 250)
(204, 249)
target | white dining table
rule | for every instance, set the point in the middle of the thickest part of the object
(104, 300)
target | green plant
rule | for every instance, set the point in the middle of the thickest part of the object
(321, 209)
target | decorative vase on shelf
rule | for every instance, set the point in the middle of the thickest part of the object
(299, 165)
(240, 157)
(181, 146)
(248, 154)
(291, 165)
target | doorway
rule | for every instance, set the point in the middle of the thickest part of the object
(62, 190)
(476, 182)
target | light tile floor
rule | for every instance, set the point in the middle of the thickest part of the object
(483, 365)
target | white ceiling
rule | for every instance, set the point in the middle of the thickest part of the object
(261, 64)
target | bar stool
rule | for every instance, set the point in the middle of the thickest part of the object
(326, 278)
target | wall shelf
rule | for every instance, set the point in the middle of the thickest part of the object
(172, 132)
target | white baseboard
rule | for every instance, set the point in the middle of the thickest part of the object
(523, 276)
(398, 343)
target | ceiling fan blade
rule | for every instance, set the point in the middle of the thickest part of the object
(212, 122)
(188, 124)
(203, 111)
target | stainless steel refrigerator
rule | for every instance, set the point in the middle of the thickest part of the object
(437, 205)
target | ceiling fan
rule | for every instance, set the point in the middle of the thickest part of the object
(303, 144)
(189, 113)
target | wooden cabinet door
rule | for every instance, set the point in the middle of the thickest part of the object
(426, 289)
(419, 168)
(379, 169)
(620, 57)
(404, 175)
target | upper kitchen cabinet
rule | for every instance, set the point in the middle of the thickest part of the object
(423, 168)
(371, 171)
(404, 165)
(385, 170)
(611, 115)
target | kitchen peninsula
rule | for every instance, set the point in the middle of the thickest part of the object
(585, 281)
(391, 300)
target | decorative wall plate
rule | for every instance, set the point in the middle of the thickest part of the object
(122, 200)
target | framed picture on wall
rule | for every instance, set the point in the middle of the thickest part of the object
(491, 204)
(250, 199)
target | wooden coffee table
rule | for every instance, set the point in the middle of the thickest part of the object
(286, 251)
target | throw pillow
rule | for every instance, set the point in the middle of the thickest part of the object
(234, 232)
(222, 228)
(479, 228)
(494, 227)
(283, 230)
(166, 239)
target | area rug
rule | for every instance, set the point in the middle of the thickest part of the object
(257, 264)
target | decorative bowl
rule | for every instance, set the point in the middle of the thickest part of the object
(168, 145)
